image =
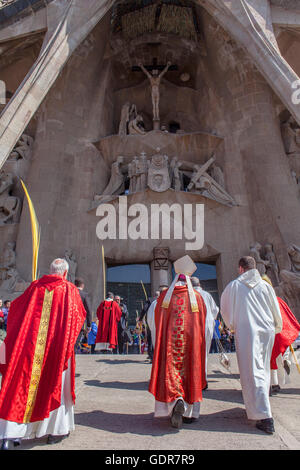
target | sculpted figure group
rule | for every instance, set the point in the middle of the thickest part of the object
(160, 174)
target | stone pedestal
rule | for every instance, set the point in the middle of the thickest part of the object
(160, 277)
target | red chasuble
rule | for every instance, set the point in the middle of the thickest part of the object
(290, 331)
(43, 325)
(178, 368)
(109, 314)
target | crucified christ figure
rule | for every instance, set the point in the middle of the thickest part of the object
(155, 79)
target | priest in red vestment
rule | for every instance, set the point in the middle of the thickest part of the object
(177, 324)
(109, 314)
(37, 359)
(281, 349)
(281, 353)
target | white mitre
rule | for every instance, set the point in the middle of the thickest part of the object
(186, 266)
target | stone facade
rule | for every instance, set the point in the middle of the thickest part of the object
(218, 100)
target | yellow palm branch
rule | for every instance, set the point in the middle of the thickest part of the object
(104, 273)
(146, 296)
(35, 231)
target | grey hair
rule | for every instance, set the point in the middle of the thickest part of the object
(195, 281)
(59, 266)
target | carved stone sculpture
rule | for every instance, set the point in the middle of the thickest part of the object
(141, 169)
(291, 140)
(161, 258)
(136, 126)
(217, 174)
(131, 122)
(8, 260)
(116, 183)
(155, 78)
(9, 205)
(289, 287)
(125, 113)
(71, 259)
(176, 175)
(291, 136)
(294, 254)
(12, 279)
(132, 176)
(261, 264)
(158, 173)
(272, 269)
(202, 183)
(23, 148)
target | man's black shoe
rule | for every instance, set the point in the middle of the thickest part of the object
(7, 444)
(206, 387)
(275, 388)
(56, 439)
(176, 418)
(266, 425)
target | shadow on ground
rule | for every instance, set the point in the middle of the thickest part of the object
(124, 361)
(227, 395)
(233, 420)
(218, 375)
(119, 385)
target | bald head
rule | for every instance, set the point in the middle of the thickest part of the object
(195, 281)
(59, 266)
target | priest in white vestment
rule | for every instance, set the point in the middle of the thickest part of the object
(249, 307)
(212, 311)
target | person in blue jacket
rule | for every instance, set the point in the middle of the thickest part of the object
(92, 336)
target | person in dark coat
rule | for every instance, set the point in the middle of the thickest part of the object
(123, 336)
(79, 283)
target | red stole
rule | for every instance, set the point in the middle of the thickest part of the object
(290, 331)
(43, 325)
(109, 314)
(178, 368)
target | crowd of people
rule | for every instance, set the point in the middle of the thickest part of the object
(47, 324)
(137, 339)
(4, 310)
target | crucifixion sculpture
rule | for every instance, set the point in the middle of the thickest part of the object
(154, 75)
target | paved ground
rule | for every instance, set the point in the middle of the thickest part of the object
(115, 411)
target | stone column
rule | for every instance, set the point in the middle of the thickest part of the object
(161, 269)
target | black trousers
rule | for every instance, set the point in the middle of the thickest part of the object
(121, 344)
(150, 345)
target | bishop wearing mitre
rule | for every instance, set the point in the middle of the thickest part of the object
(177, 323)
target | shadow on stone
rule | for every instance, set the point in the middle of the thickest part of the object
(227, 395)
(233, 420)
(220, 375)
(143, 424)
(119, 385)
(125, 361)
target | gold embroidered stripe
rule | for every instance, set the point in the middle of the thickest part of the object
(38, 356)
